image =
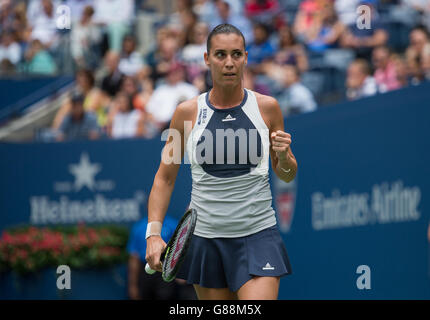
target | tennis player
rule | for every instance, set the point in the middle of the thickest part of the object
(236, 251)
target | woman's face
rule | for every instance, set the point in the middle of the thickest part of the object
(260, 35)
(122, 103)
(418, 39)
(128, 45)
(168, 48)
(401, 69)
(285, 36)
(355, 77)
(199, 34)
(227, 59)
(82, 81)
(129, 86)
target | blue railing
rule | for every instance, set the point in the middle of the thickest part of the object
(17, 94)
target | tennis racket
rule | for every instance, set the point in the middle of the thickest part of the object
(174, 253)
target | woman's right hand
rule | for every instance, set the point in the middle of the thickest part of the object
(154, 247)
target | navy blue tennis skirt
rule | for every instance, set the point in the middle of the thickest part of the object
(231, 262)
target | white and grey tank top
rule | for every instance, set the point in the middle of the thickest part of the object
(228, 150)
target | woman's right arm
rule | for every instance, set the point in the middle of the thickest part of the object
(165, 178)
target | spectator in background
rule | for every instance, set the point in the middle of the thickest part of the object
(305, 19)
(115, 16)
(165, 54)
(93, 99)
(250, 82)
(401, 70)
(425, 65)
(125, 121)
(422, 7)
(226, 14)
(236, 7)
(326, 31)
(13, 18)
(85, 35)
(7, 68)
(38, 60)
(131, 61)
(140, 95)
(289, 51)
(9, 49)
(189, 20)
(183, 21)
(193, 53)
(295, 98)
(205, 10)
(112, 81)
(77, 8)
(264, 11)
(359, 82)
(364, 40)
(78, 124)
(260, 49)
(418, 53)
(20, 24)
(129, 86)
(142, 286)
(166, 97)
(385, 70)
(181, 7)
(347, 11)
(41, 15)
(6, 16)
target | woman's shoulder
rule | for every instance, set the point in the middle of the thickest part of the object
(269, 107)
(187, 109)
(189, 103)
(265, 101)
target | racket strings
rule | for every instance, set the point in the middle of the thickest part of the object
(174, 253)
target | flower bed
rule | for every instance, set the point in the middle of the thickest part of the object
(29, 249)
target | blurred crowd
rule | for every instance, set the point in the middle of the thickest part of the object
(304, 53)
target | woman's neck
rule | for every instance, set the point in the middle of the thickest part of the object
(226, 97)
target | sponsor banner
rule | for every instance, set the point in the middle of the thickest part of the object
(356, 220)
(94, 182)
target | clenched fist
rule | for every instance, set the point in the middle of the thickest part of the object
(281, 142)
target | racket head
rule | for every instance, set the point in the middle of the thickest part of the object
(178, 244)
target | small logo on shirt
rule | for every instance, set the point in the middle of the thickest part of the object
(268, 267)
(229, 118)
(205, 115)
(202, 116)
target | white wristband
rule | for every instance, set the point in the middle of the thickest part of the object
(153, 229)
(286, 171)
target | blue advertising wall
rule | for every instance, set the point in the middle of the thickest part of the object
(359, 198)
(95, 182)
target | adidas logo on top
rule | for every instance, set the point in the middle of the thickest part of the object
(229, 118)
(268, 267)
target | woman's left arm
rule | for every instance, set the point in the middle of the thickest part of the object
(283, 160)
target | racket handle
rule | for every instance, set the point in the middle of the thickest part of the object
(148, 269)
